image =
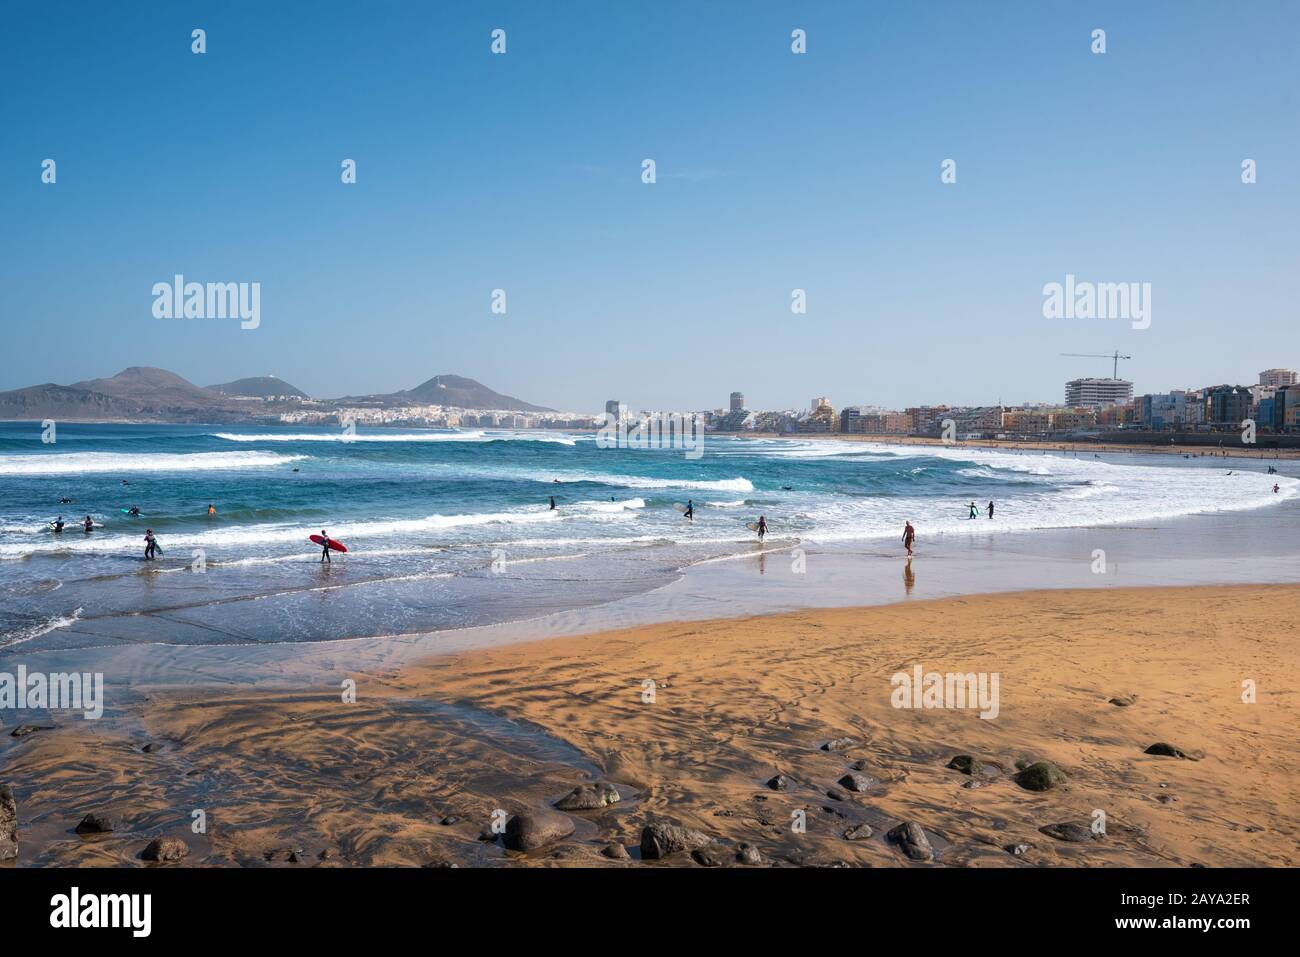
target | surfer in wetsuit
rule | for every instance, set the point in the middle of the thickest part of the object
(909, 536)
(65, 501)
(58, 524)
(134, 511)
(88, 524)
(325, 547)
(762, 527)
(990, 510)
(690, 509)
(149, 545)
(973, 511)
(552, 503)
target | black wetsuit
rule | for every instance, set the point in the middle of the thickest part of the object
(325, 549)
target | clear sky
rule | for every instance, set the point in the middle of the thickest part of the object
(776, 171)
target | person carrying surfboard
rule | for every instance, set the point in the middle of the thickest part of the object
(325, 547)
(150, 545)
(690, 509)
(762, 527)
(88, 524)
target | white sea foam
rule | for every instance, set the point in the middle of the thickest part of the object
(23, 635)
(77, 463)
(402, 437)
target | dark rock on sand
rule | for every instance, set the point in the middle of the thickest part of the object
(285, 855)
(660, 840)
(836, 795)
(859, 832)
(8, 824)
(449, 820)
(589, 797)
(712, 855)
(1164, 749)
(912, 840)
(534, 829)
(1040, 776)
(1068, 831)
(23, 730)
(964, 763)
(98, 823)
(165, 849)
(858, 782)
(839, 744)
(1123, 701)
(749, 855)
(779, 783)
(617, 852)
(152, 747)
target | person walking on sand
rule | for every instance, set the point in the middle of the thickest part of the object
(909, 536)
(990, 511)
(325, 547)
(974, 512)
(149, 545)
(762, 527)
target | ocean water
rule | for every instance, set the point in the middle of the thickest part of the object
(453, 529)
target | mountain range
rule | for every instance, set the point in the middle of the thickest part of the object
(142, 393)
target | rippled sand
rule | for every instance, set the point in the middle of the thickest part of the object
(735, 703)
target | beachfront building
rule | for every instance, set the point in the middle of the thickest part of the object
(1162, 411)
(1094, 393)
(820, 418)
(1227, 406)
(1074, 420)
(1279, 377)
(927, 419)
(1026, 421)
(1115, 416)
(864, 420)
(737, 402)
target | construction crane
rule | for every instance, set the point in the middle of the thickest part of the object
(1115, 356)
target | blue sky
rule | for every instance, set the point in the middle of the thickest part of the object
(775, 171)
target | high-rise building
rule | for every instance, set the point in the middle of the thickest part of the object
(1094, 393)
(615, 410)
(737, 402)
(1227, 406)
(1279, 377)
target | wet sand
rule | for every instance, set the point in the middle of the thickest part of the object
(513, 728)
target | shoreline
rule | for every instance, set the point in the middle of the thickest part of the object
(412, 772)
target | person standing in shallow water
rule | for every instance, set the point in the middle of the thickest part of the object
(325, 547)
(990, 510)
(909, 536)
(974, 512)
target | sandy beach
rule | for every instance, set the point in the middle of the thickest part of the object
(414, 771)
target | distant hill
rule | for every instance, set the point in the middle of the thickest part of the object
(146, 394)
(139, 393)
(262, 386)
(456, 391)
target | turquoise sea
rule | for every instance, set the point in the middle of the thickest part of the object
(450, 529)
